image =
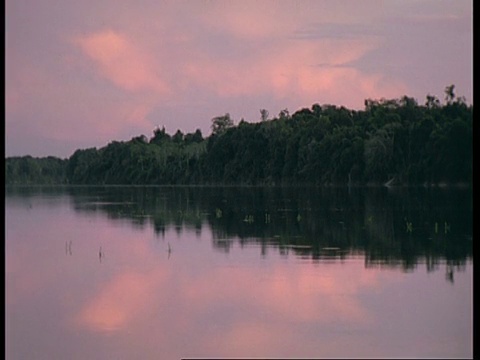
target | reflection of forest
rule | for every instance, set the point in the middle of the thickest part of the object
(396, 227)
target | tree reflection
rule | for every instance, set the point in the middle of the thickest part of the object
(389, 227)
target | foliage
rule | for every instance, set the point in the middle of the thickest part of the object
(396, 141)
(30, 170)
(220, 124)
(398, 227)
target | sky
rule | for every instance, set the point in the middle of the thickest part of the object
(80, 74)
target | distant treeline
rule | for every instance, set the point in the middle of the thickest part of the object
(391, 141)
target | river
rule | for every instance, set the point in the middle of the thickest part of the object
(113, 272)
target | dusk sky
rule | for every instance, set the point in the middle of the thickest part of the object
(80, 74)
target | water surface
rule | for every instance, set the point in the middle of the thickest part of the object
(178, 272)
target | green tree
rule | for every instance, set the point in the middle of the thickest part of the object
(391, 139)
(220, 124)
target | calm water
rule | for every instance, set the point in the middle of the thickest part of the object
(166, 273)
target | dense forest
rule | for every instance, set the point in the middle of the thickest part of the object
(393, 142)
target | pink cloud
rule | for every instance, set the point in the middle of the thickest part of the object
(262, 339)
(253, 20)
(121, 302)
(299, 293)
(117, 303)
(296, 72)
(280, 66)
(122, 62)
(163, 56)
(301, 296)
(62, 110)
(318, 71)
(249, 20)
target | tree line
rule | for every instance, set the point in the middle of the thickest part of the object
(393, 141)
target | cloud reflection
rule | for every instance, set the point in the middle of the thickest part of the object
(201, 303)
(120, 302)
(232, 304)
